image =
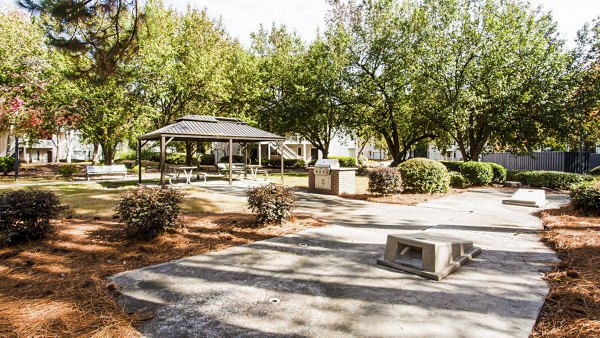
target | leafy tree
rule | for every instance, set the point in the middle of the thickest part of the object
(305, 88)
(492, 75)
(183, 65)
(584, 101)
(385, 48)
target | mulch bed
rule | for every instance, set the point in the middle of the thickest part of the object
(402, 199)
(57, 287)
(572, 307)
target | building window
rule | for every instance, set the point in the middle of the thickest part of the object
(300, 151)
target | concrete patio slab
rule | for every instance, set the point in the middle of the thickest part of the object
(325, 281)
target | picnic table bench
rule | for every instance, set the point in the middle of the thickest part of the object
(106, 170)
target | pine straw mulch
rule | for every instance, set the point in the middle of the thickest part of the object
(572, 307)
(57, 287)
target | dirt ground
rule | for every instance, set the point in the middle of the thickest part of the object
(572, 307)
(57, 287)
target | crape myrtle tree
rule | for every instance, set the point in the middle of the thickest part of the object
(492, 75)
(24, 67)
(385, 48)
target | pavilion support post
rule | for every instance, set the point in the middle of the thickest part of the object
(245, 161)
(139, 161)
(259, 153)
(281, 156)
(230, 162)
(163, 148)
(16, 159)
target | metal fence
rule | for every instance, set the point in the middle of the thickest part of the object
(553, 160)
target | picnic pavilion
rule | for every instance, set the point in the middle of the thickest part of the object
(195, 128)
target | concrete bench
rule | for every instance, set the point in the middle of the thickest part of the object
(428, 255)
(105, 170)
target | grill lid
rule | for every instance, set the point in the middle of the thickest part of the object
(327, 163)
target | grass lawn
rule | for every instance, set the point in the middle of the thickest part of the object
(57, 286)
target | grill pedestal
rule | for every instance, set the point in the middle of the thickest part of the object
(339, 181)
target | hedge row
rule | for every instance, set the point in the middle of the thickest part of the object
(290, 163)
(477, 173)
(548, 179)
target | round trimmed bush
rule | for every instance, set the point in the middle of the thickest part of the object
(148, 212)
(421, 175)
(385, 181)
(595, 171)
(477, 173)
(499, 172)
(26, 214)
(272, 203)
(457, 180)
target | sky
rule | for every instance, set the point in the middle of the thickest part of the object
(242, 17)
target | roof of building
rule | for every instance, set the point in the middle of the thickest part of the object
(212, 128)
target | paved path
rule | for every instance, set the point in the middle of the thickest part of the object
(324, 281)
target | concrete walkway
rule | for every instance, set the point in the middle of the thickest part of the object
(325, 281)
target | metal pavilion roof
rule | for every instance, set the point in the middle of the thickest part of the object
(211, 128)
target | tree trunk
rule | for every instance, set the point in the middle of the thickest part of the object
(57, 144)
(95, 153)
(109, 154)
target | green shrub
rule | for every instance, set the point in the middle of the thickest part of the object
(235, 159)
(25, 214)
(548, 179)
(586, 199)
(130, 154)
(457, 180)
(290, 163)
(477, 173)
(68, 170)
(452, 165)
(421, 175)
(148, 212)
(595, 171)
(7, 165)
(345, 161)
(385, 181)
(271, 203)
(208, 159)
(150, 155)
(499, 172)
(135, 169)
